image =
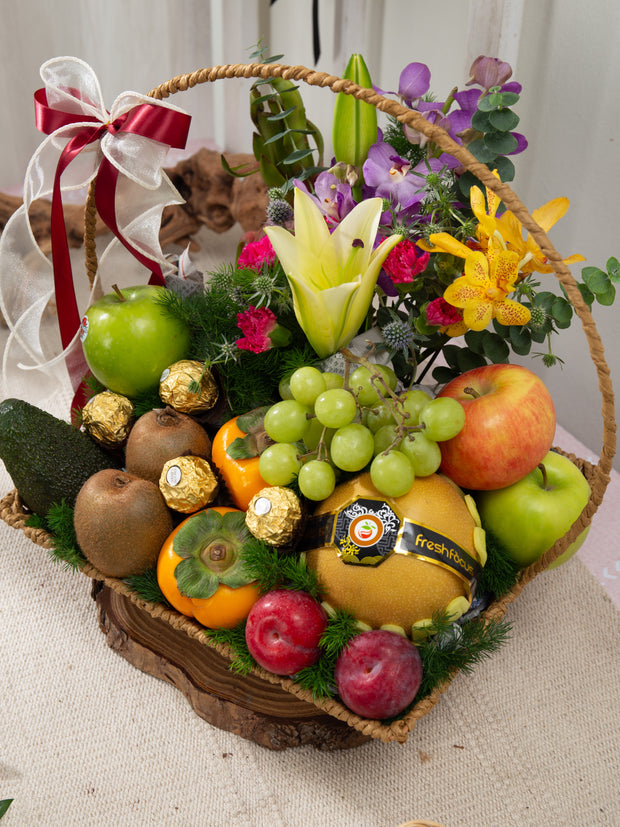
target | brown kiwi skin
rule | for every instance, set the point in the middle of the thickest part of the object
(160, 435)
(121, 522)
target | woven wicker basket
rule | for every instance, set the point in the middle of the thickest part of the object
(12, 511)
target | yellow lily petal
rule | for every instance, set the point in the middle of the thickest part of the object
(510, 312)
(445, 243)
(551, 212)
(462, 292)
(311, 229)
(329, 310)
(478, 314)
(477, 269)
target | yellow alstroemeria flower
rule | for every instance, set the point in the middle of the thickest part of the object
(332, 275)
(482, 291)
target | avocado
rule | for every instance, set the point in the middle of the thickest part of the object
(47, 458)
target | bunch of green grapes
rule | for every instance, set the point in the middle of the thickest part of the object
(323, 426)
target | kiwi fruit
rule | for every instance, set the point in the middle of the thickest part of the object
(121, 522)
(160, 435)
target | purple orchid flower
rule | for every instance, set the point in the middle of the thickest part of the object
(488, 72)
(333, 196)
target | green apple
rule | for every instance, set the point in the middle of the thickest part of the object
(129, 338)
(529, 516)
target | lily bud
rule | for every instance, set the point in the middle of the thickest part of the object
(354, 126)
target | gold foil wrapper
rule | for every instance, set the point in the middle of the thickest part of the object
(176, 382)
(274, 515)
(188, 484)
(107, 418)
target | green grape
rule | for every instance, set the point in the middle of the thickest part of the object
(443, 418)
(316, 479)
(361, 383)
(413, 401)
(335, 407)
(392, 474)
(279, 463)
(423, 454)
(333, 380)
(390, 378)
(378, 416)
(384, 437)
(287, 421)
(284, 388)
(352, 447)
(306, 384)
(312, 437)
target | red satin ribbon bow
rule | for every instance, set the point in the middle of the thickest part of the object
(167, 126)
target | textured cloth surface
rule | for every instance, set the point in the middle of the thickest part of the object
(530, 738)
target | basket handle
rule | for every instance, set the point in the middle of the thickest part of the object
(440, 137)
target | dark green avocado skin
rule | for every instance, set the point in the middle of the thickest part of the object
(47, 458)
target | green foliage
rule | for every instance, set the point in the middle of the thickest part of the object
(59, 523)
(277, 570)
(242, 661)
(457, 648)
(145, 585)
(4, 805)
(493, 122)
(500, 572)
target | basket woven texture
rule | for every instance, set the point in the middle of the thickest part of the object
(13, 512)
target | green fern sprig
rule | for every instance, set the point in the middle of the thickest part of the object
(242, 661)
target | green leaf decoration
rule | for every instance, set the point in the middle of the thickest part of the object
(505, 168)
(252, 420)
(480, 121)
(613, 268)
(467, 360)
(501, 143)
(145, 585)
(597, 280)
(520, 340)
(503, 120)
(586, 294)
(495, 347)
(243, 447)
(194, 580)
(562, 312)
(443, 374)
(607, 298)
(196, 533)
(509, 98)
(482, 152)
(297, 155)
(4, 805)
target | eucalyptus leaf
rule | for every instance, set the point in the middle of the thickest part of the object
(468, 360)
(474, 341)
(562, 312)
(503, 120)
(443, 374)
(520, 340)
(505, 168)
(608, 298)
(613, 268)
(495, 348)
(586, 294)
(480, 121)
(597, 280)
(501, 143)
(195, 580)
(482, 152)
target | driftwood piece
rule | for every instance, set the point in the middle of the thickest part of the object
(245, 705)
(213, 198)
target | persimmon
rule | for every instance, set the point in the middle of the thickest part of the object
(200, 572)
(241, 475)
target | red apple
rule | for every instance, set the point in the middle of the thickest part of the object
(509, 427)
(378, 674)
(283, 631)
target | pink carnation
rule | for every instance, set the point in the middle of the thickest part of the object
(256, 323)
(404, 262)
(257, 253)
(441, 313)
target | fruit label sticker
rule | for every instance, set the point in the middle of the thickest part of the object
(425, 544)
(364, 532)
(83, 328)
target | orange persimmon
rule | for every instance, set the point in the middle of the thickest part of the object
(241, 476)
(228, 604)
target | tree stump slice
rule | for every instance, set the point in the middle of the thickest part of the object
(245, 705)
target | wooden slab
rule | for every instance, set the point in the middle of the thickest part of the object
(246, 705)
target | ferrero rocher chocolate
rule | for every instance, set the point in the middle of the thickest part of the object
(107, 418)
(188, 484)
(274, 515)
(187, 387)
